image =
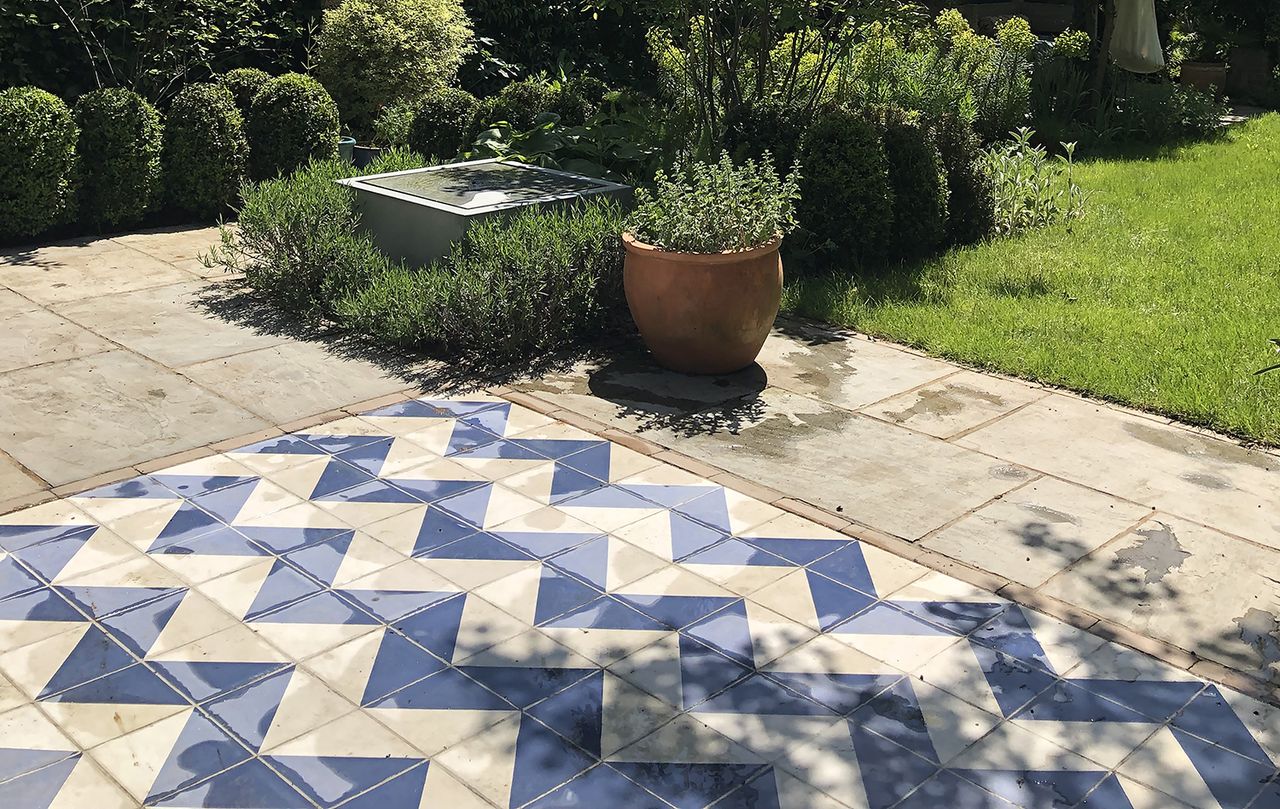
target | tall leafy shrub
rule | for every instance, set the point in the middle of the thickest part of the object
(205, 151)
(970, 196)
(846, 199)
(37, 163)
(292, 121)
(518, 104)
(372, 53)
(1003, 94)
(441, 121)
(918, 183)
(119, 149)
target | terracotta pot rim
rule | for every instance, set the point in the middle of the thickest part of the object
(634, 245)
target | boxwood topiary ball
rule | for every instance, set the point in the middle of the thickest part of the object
(292, 121)
(37, 162)
(119, 148)
(205, 150)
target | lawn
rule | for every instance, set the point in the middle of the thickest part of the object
(1162, 297)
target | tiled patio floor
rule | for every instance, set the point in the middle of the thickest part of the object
(468, 604)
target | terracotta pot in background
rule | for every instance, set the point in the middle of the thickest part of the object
(703, 313)
(1211, 77)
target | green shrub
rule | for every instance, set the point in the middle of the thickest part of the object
(846, 200)
(766, 125)
(298, 241)
(372, 53)
(292, 121)
(1003, 94)
(918, 183)
(442, 119)
(119, 151)
(578, 99)
(518, 104)
(1166, 112)
(244, 83)
(716, 207)
(205, 150)
(970, 198)
(511, 290)
(37, 163)
(391, 127)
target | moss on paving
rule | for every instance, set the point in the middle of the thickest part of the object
(1162, 297)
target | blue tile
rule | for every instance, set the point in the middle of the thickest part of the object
(282, 445)
(15, 761)
(689, 536)
(430, 491)
(728, 632)
(225, 541)
(187, 523)
(1013, 682)
(330, 780)
(434, 409)
(325, 607)
(36, 790)
(15, 580)
(606, 612)
(470, 507)
(961, 617)
(374, 491)
(588, 561)
(436, 628)
(545, 545)
(226, 503)
(759, 694)
(1032, 788)
(490, 419)
(559, 593)
(94, 655)
(337, 477)
(403, 790)
(472, 442)
(889, 771)
(102, 602)
(760, 792)
(847, 566)
(44, 604)
(669, 496)
(600, 786)
(13, 538)
(594, 461)
(391, 606)
(201, 750)
(283, 586)
(833, 602)
(47, 559)
(710, 509)
(479, 546)
(132, 685)
(1010, 633)
(251, 785)
(438, 529)
(1107, 795)
(524, 686)
(576, 713)
(448, 689)
(248, 712)
(397, 664)
(321, 560)
(193, 485)
(736, 552)
(704, 673)
(842, 693)
(544, 761)
(948, 790)
(204, 681)
(797, 551)
(1211, 717)
(883, 619)
(334, 444)
(1234, 780)
(678, 611)
(369, 456)
(1067, 702)
(895, 715)
(613, 496)
(142, 487)
(283, 540)
(689, 786)
(1157, 700)
(137, 628)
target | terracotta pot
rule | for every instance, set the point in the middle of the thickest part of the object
(703, 313)
(1211, 77)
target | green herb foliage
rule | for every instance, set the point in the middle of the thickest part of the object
(119, 150)
(716, 207)
(37, 163)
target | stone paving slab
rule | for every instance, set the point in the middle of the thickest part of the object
(37, 336)
(59, 274)
(463, 603)
(107, 411)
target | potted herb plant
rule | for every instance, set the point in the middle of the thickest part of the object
(702, 274)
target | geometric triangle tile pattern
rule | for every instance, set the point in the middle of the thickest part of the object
(462, 603)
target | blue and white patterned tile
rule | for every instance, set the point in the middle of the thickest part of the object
(463, 603)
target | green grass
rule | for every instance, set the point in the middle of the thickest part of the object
(1162, 297)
